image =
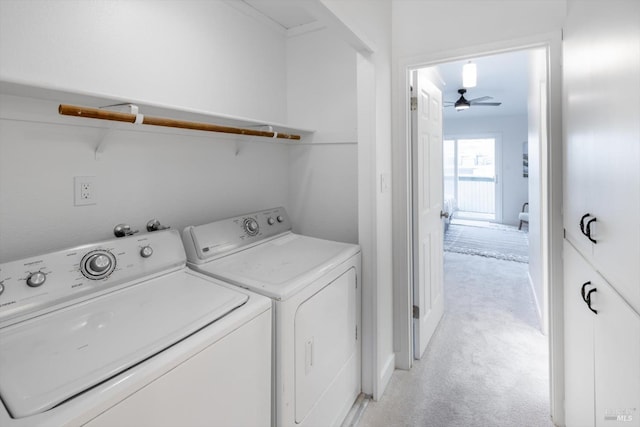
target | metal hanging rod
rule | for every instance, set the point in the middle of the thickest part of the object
(98, 113)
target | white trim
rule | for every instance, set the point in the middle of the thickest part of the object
(402, 201)
(367, 236)
(386, 373)
(532, 289)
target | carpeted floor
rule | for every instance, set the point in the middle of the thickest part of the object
(486, 365)
(497, 241)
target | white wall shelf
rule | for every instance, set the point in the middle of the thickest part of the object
(47, 112)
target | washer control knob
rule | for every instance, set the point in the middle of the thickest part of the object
(271, 221)
(99, 263)
(36, 279)
(251, 226)
(1, 287)
(280, 218)
(146, 251)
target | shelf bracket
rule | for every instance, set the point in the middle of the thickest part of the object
(121, 108)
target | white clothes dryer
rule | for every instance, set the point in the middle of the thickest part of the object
(122, 333)
(315, 287)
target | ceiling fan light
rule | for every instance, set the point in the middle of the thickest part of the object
(469, 75)
(461, 106)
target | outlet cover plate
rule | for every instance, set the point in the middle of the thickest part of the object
(84, 190)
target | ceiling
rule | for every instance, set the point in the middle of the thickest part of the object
(503, 77)
(284, 13)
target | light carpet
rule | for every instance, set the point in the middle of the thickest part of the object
(500, 242)
(486, 364)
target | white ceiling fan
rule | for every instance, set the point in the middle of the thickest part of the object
(462, 103)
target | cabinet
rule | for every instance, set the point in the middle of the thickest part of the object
(602, 140)
(602, 349)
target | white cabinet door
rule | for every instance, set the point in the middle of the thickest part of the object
(617, 359)
(602, 349)
(602, 140)
(578, 343)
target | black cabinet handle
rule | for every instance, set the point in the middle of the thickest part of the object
(582, 222)
(586, 296)
(588, 230)
(588, 300)
(582, 291)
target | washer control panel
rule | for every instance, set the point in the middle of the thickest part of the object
(31, 285)
(217, 238)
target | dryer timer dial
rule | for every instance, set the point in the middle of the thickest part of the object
(251, 226)
(98, 264)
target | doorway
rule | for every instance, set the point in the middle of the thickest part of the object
(550, 222)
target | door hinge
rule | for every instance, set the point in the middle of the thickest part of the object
(414, 103)
(416, 312)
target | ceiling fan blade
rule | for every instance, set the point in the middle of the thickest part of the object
(482, 98)
(486, 104)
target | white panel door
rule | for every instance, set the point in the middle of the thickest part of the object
(602, 349)
(325, 341)
(617, 359)
(578, 342)
(427, 206)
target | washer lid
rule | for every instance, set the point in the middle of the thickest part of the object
(281, 267)
(51, 358)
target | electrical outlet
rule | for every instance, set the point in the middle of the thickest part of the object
(84, 190)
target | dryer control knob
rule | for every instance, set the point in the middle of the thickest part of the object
(146, 252)
(271, 221)
(280, 218)
(36, 279)
(1, 287)
(251, 226)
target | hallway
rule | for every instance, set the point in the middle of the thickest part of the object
(487, 364)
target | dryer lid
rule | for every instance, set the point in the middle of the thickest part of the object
(281, 267)
(49, 359)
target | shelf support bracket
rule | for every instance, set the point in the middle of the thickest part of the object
(121, 108)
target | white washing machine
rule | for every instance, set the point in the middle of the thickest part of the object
(122, 333)
(315, 288)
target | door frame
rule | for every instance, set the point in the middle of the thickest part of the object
(551, 202)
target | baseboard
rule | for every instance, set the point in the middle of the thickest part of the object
(385, 376)
(532, 289)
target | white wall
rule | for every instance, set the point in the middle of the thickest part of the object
(321, 95)
(372, 19)
(200, 55)
(422, 27)
(186, 53)
(513, 132)
(140, 176)
(324, 191)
